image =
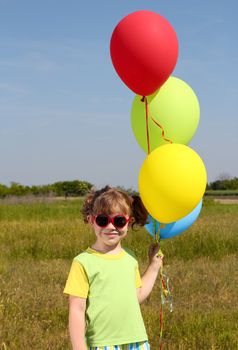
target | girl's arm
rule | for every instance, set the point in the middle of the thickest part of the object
(151, 273)
(77, 307)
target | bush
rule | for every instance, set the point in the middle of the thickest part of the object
(64, 188)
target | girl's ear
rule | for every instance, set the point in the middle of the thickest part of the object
(131, 221)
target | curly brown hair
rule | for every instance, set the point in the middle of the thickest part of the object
(109, 199)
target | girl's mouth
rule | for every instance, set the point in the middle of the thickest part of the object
(111, 233)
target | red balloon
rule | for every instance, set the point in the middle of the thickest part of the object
(144, 51)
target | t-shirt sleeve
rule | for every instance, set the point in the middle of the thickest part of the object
(77, 281)
(138, 278)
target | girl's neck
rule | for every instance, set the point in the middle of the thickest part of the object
(102, 248)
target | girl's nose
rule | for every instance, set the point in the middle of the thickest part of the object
(110, 226)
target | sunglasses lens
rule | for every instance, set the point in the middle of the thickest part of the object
(101, 220)
(120, 221)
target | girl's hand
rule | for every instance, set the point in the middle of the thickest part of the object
(155, 256)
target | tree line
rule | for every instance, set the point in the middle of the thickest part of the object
(77, 188)
(61, 188)
(224, 184)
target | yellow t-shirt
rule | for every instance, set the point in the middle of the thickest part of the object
(108, 282)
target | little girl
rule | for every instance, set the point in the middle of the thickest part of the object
(104, 283)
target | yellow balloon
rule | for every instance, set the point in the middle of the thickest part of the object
(172, 181)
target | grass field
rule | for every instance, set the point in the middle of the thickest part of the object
(39, 240)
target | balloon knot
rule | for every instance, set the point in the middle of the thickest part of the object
(142, 98)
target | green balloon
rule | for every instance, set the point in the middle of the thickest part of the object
(175, 107)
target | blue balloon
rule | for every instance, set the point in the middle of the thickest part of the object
(174, 228)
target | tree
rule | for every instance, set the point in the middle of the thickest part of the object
(71, 188)
(226, 184)
(18, 189)
(3, 191)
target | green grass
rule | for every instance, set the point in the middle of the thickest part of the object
(39, 240)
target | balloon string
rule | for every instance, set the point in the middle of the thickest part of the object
(157, 241)
(161, 328)
(165, 297)
(164, 284)
(144, 99)
(165, 293)
(161, 127)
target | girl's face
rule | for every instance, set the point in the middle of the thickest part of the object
(111, 234)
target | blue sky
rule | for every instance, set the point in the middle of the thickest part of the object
(64, 112)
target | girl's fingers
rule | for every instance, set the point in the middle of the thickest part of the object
(156, 248)
(154, 251)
